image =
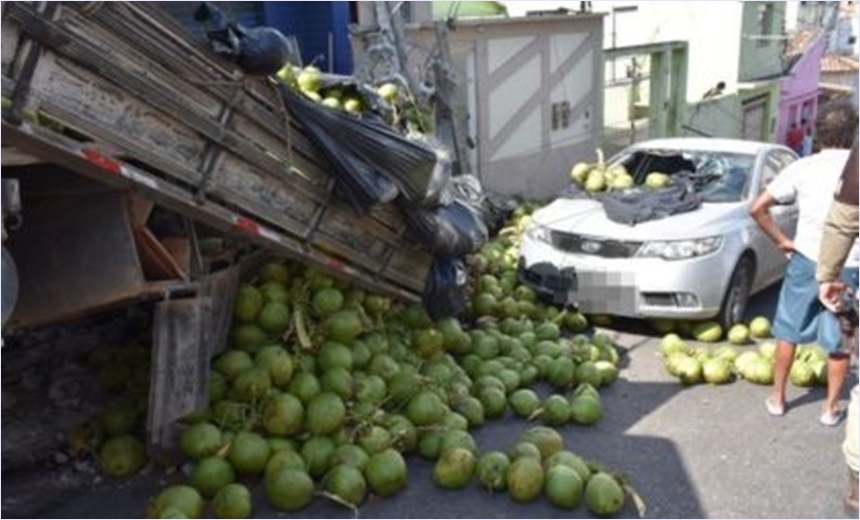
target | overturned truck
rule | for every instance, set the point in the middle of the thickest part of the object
(129, 148)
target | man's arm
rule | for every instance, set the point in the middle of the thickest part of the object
(840, 231)
(761, 213)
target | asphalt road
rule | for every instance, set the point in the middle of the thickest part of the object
(691, 452)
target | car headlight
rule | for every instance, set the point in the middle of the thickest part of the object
(679, 249)
(539, 233)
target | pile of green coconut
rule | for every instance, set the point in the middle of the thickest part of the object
(328, 392)
(748, 354)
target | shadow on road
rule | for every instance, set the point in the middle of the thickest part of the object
(762, 304)
(653, 464)
(669, 496)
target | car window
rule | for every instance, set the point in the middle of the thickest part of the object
(769, 171)
(717, 176)
(783, 158)
(775, 162)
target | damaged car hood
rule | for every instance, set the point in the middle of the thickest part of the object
(587, 217)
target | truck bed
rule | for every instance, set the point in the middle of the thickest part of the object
(143, 105)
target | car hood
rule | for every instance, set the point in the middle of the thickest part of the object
(587, 217)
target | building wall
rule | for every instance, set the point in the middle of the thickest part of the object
(761, 43)
(847, 79)
(725, 116)
(767, 94)
(533, 91)
(712, 28)
(840, 41)
(799, 93)
(714, 118)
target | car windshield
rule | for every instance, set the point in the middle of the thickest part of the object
(718, 176)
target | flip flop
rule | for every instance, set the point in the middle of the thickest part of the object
(773, 408)
(832, 419)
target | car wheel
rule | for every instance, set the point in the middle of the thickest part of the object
(737, 294)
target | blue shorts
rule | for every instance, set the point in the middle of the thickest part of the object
(800, 316)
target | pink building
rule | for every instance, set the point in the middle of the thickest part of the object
(799, 93)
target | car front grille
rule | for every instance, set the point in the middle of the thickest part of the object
(545, 276)
(584, 245)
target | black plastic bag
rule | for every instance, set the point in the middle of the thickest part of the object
(451, 230)
(445, 289)
(495, 210)
(258, 51)
(640, 204)
(359, 183)
(420, 167)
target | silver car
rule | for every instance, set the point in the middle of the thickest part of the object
(700, 264)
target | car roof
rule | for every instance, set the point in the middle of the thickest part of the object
(706, 144)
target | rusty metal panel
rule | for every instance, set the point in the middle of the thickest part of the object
(75, 254)
(180, 370)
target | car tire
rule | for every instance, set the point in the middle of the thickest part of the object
(737, 293)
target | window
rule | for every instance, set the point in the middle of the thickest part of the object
(783, 158)
(771, 168)
(765, 24)
(560, 115)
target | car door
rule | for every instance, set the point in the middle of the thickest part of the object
(771, 260)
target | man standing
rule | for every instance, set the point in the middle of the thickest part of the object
(800, 316)
(840, 231)
(794, 138)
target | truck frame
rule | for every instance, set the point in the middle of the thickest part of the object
(111, 108)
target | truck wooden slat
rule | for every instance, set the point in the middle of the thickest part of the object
(127, 75)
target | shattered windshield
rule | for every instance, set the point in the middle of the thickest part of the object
(717, 176)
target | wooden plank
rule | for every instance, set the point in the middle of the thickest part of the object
(162, 98)
(9, 42)
(219, 217)
(258, 112)
(179, 249)
(180, 371)
(221, 289)
(111, 48)
(155, 259)
(70, 93)
(143, 126)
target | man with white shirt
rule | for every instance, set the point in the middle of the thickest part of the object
(800, 316)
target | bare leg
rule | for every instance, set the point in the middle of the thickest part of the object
(837, 368)
(782, 366)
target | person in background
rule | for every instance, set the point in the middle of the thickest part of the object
(806, 143)
(800, 316)
(794, 138)
(840, 232)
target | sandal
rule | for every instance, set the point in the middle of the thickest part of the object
(832, 419)
(774, 409)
